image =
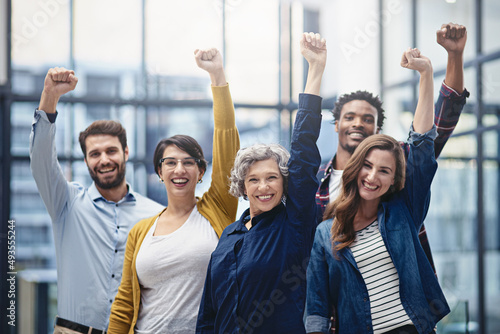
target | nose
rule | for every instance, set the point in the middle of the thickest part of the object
(357, 123)
(104, 159)
(371, 175)
(179, 167)
(263, 185)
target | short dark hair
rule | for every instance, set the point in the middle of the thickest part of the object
(103, 127)
(360, 95)
(186, 143)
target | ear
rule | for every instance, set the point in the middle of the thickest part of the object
(378, 130)
(337, 126)
(125, 153)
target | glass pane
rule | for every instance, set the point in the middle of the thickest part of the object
(451, 230)
(397, 38)
(21, 120)
(491, 25)
(253, 50)
(431, 15)
(108, 47)
(490, 85)
(399, 109)
(40, 34)
(174, 29)
(34, 241)
(492, 240)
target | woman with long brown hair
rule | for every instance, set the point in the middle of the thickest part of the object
(367, 261)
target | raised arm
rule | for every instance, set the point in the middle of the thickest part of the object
(452, 95)
(217, 203)
(52, 185)
(424, 115)
(313, 48)
(304, 154)
(452, 37)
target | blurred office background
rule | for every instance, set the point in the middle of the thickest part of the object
(134, 60)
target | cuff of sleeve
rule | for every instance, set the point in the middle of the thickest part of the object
(448, 91)
(310, 102)
(316, 323)
(415, 137)
(50, 117)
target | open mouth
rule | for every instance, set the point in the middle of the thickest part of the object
(356, 135)
(106, 170)
(265, 197)
(369, 187)
(179, 181)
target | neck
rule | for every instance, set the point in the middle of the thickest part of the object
(114, 194)
(341, 158)
(367, 213)
(180, 206)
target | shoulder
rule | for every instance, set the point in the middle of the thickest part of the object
(144, 224)
(324, 228)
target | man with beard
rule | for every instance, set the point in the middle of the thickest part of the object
(91, 224)
(360, 114)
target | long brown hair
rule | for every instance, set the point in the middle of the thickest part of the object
(344, 208)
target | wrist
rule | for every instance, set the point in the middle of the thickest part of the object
(218, 78)
(48, 102)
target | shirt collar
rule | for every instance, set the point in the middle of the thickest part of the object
(239, 225)
(96, 195)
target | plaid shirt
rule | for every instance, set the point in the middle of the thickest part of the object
(446, 114)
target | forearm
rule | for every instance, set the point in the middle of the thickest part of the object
(424, 114)
(48, 102)
(455, 72)
(314, 76)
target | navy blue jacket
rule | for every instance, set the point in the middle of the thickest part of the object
(256, 278)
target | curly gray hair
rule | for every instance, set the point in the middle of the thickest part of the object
(247, 156)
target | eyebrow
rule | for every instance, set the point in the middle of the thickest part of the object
(354, 113)
(383, 167)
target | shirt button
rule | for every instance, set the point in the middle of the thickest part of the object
(113, 276)
(118, 227)
(364, 299)
(111, 300)
(367, 328)
(116, 250)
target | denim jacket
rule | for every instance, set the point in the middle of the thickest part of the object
(338, 282)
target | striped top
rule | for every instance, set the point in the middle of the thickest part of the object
(381, 279)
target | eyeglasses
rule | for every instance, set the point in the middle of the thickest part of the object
(187, 163)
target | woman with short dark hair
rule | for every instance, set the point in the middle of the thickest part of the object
(167, 255)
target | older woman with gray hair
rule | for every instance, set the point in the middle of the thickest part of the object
(256, 276)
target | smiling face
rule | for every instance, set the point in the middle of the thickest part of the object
(263, 186)
(105, 160)
(376, 175)
(358, 120)
(180, 180)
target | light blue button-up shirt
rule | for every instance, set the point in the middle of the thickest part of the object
(90, 232)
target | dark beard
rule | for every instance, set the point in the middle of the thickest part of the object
(111, 184)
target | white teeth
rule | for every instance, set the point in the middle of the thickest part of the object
(179, 181)
(369, 187)
(356, 135)
(265, 197)
(106, 170)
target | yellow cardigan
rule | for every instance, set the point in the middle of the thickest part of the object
(217, 205)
